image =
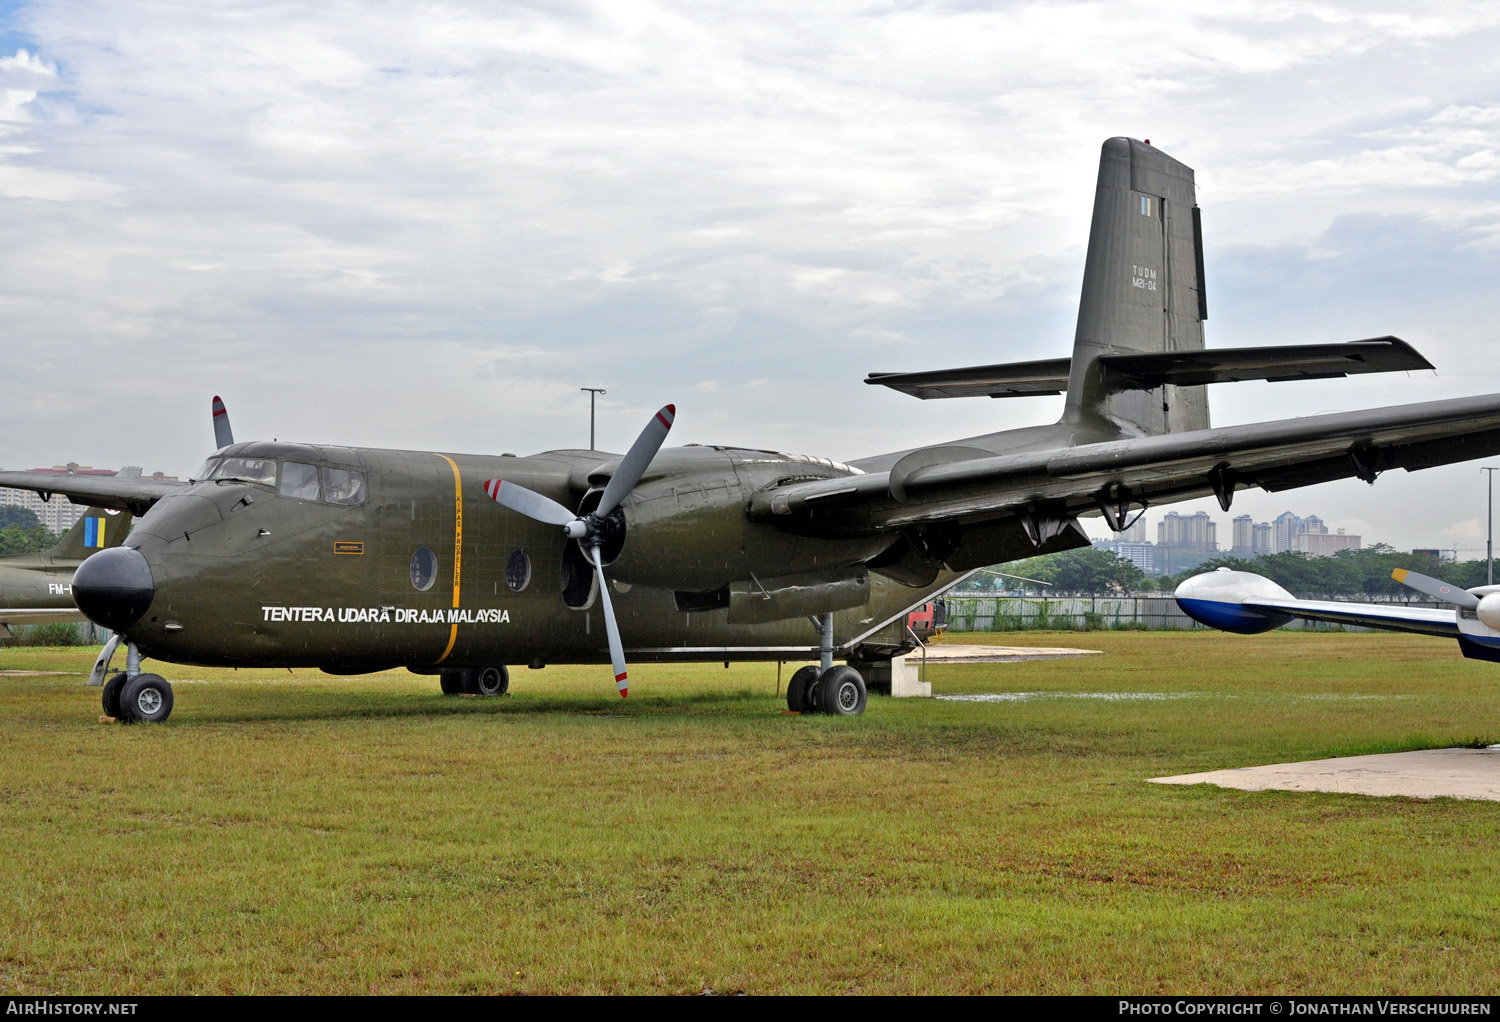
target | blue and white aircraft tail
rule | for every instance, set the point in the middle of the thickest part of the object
(1247, 603)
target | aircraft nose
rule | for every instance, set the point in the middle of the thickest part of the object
(114, 587)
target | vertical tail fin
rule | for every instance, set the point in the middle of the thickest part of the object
(1142, 290)
(95, 531)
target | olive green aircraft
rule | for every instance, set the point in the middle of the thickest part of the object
(356, 560)
(37, 588)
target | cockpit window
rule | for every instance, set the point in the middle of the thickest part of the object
(343, 486)
(298, 480)
(248, 470)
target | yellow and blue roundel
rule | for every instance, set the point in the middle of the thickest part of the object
(93, 532)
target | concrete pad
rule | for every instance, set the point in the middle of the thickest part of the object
(1431, 773)
(953, 654)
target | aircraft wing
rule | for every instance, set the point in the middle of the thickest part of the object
(42, 616)
(1247, 603)
(1389, 616)
(959, 484)
(133, 495)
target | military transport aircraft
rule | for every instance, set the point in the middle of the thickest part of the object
(356, 560)
(37, 588)
(1247, 603)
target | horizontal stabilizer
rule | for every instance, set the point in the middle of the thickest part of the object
(1180, 368)
(1011, 379)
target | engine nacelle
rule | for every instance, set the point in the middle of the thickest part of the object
(1217, 599)
(686, 526)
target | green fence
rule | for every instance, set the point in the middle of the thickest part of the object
(1084, 613)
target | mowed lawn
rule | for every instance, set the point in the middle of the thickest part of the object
(293, 832)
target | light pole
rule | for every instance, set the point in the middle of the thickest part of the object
(593, 392)
(1489, 543)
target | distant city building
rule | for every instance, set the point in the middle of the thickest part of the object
(1137, 531)
(1260, 539)
(1244, 536)
(60, 514)
(1322, 544)
(1287, 527)
(1142, 555)
(1185, 541)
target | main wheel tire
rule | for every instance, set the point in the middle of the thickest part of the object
(146, 697)
(798, 688)
(841, 692)
(110, 697)
(452, 682)
(491, 681)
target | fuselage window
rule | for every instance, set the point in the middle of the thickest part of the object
(423, 568)
(518, 571)
(299, 480)
(247, 470)
(343, 486)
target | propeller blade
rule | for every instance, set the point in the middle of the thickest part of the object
(223, 435)
(612, 630)
(528, 502)
(636, 460)
(1436, 588)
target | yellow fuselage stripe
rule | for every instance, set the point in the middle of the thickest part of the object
(458, 547)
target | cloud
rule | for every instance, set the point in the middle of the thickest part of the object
(442, 220)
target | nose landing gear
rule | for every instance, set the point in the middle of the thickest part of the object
(133, 695)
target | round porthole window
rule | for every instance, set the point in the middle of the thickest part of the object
(423, 569)
(518, 571)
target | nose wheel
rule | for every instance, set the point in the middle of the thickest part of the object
(132, 694)
(146, 698)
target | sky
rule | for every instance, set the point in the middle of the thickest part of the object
(428, 225)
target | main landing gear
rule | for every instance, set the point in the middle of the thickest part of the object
(839, 691)
(476, 681)
(132, 695)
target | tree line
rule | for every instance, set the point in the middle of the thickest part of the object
(1365, 574)
(21, 532)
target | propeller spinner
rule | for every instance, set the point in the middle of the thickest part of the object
(588, 529)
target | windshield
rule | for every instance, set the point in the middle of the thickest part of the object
(248, 470)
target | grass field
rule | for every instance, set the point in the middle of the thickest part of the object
(300, 833)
